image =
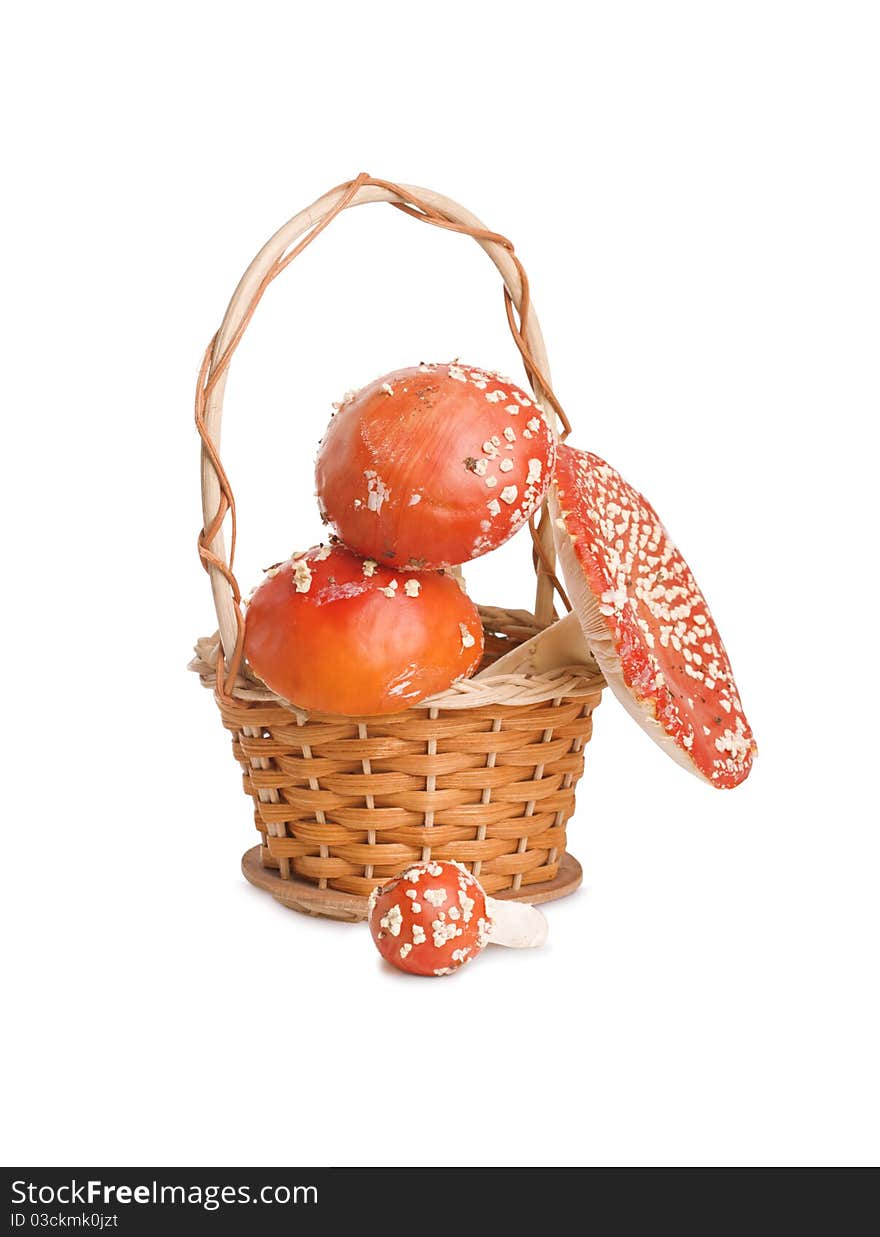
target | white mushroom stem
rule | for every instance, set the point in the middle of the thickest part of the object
(516, 924)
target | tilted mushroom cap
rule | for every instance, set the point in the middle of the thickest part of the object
(431, 920)
(646, 621)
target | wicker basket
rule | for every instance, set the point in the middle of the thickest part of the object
(484, 773)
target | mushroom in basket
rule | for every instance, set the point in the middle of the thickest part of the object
(340, 634)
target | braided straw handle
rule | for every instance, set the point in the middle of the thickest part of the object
(287, 243)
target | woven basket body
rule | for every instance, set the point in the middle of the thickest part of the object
(484, 773)
(345, 803)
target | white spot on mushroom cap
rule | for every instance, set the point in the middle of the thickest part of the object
(302, 576)
(392, 919)
(346, 399)
(442, 932)
(377, 491)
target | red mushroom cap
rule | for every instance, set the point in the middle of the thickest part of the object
(646, 621)
(431, 920)
(434, 465)
(335, 633)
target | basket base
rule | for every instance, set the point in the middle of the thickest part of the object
(302, 896)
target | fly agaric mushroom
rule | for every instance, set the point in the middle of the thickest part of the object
(436, 917)
(335, 633)
(646, 621)
(434, 465)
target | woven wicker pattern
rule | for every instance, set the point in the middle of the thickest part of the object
(346, 802)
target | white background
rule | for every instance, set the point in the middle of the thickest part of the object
(694, 191)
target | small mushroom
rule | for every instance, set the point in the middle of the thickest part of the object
(436, 917)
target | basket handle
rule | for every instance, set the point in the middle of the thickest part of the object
(287, 243)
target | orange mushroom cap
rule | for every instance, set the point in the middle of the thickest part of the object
(431, 920)
(336, 633)
(434, 465)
